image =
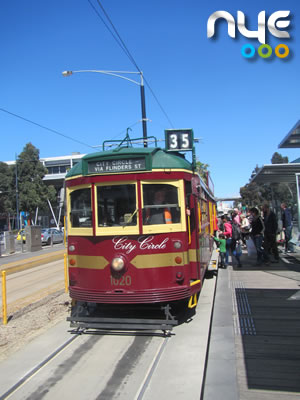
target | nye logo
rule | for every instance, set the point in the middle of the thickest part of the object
(275, 22)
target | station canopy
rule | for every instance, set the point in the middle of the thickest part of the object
(271, 173)
(292, 139)
(286, 173)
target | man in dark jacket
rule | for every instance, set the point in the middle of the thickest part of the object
(270, 233)
(287, 226)
(257, 233)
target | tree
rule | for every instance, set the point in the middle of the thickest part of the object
(33, 192)
(202, 170)
(279, 159)
(6, 189)
(255, 194)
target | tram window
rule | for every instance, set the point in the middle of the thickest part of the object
(160, 204)
(81, 210)
(117, 205)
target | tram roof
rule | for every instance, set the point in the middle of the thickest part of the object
(154, 158)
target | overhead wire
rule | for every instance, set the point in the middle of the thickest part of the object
(123, 46)
(59, 133)
(105, 24)
(44, 127)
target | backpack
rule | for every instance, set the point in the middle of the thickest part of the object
(236, 232)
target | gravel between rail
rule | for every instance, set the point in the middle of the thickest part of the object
(31, 321)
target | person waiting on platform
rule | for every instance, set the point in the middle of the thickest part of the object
(270, 233)
(287, 227)
(157, 213)
(257, 233)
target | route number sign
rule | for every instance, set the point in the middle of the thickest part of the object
(179, 139)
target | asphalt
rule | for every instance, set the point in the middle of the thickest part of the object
(19, 260)
(249, 345)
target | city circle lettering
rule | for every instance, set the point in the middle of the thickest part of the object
(135, 164)
(143, 243)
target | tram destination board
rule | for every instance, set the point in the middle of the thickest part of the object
(122, 165)
(179, 139)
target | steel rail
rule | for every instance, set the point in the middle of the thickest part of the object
(151, 369)
(37, 368)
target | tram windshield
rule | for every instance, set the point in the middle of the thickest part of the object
(160, 204)
(81, 209)
(117, 205)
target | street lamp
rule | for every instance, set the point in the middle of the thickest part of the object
(118, 75)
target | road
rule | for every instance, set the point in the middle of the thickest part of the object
(26, 287)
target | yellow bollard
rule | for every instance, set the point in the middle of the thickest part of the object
(66, 272)
(65, 234)
(4, 304)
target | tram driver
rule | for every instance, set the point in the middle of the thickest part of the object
(159, 214)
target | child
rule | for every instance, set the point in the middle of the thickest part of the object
(222, 241)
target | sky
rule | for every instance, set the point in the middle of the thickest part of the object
(240, 108)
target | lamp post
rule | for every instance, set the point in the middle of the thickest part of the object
(17, 197)
(120, 74)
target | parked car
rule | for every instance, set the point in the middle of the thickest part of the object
(21, 235)
(58, 237)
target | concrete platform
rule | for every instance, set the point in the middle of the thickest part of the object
(254, 350)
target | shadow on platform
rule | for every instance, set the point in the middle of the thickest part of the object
(272, 345)
(291, 263)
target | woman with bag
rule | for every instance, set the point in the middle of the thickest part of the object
(245, 228)
(227, 234)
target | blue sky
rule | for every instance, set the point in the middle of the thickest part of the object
(241, 109)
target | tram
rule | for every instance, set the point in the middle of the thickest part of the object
(139, 223)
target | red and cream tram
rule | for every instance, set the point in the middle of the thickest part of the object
(139, 222)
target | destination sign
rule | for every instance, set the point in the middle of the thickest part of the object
(128, 165)
(179, 139)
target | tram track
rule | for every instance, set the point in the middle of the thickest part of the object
(114, 365)
(151, 370)
(132, 349)
(36, 369)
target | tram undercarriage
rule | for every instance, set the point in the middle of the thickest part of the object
(124, 317)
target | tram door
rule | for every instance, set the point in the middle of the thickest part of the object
(193, 231)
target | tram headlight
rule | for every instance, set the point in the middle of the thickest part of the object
(117, 264)
(71, 247)
(177, 244)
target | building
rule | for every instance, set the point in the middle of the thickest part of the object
(57, 168)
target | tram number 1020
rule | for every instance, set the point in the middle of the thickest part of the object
(123, 281)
